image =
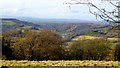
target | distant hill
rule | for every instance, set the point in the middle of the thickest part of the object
(67, 30)
(55, 20)
(11, 24)
(71, 30)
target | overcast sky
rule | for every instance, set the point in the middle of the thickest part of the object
(46, 9)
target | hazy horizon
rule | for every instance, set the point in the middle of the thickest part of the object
(49, 9)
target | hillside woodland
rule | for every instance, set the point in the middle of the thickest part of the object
(29, 41)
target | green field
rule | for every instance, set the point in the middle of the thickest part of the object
(59, 63)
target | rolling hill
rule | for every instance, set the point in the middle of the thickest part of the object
(67, 30)
(71, 30)
(11, 24)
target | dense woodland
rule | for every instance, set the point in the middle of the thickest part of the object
(32, 42)
(47, 45)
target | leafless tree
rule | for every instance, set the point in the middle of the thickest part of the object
(112, 17)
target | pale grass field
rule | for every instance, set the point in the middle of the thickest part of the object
(59, 63)
(92, 37)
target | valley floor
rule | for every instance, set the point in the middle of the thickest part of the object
(59, 63)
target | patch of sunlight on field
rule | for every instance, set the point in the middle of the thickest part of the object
(27, 27)
(111, 39)
(7, 23)
(59, 63)
(92, 37)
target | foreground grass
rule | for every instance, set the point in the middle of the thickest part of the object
(58, 63)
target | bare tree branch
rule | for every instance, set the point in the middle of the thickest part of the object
(113, 4)
(109, 16)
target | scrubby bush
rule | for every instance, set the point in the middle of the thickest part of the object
(116, 52)
(95, 49)
(6, 50)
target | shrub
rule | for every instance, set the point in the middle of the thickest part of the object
(95, 49)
